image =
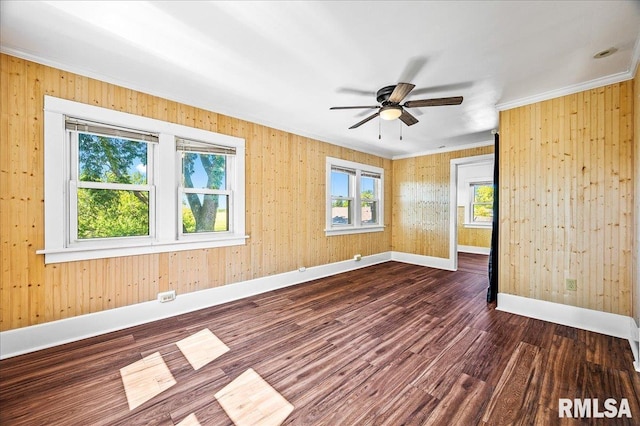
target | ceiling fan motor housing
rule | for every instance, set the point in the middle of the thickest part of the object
(384, 93)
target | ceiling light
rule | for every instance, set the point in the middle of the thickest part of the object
(604, 53)
(390, 112)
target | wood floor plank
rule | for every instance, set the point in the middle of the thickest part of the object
(463, 405)
(411, 407)
(564, 372)
(311, 406)
(517, 389)
(612, 383)
(388, 344)
(440, 375)
(362, 404)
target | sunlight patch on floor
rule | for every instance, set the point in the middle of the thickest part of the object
(250, 400)
(202, 348)
(190, 420)
(145, 379)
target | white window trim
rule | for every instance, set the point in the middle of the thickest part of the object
(356, 227)
(468, 216)
(164, 238)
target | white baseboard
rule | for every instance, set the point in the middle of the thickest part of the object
(429, 261)
(29, 339)
(586, 319)
(474, 249)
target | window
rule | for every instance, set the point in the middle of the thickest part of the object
(480, 209)
(205, 191)
(119, 194)
(354, 197)
(342, 197)
(110, 192)
(369, 197)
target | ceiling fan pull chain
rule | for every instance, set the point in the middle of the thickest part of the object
(400, 131)
(379, 131)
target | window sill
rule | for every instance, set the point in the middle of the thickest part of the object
(478, 225)
(92, 252)
(352, 230)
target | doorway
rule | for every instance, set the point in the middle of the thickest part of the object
(468, 174)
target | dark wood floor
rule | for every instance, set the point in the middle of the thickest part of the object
(474, 263)
(390, 344)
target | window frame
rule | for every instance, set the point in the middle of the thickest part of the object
(375, 199)
(350, 198)
(229, 191)
(469, 207)
(355, 196)
(73, 139)
(164, 237)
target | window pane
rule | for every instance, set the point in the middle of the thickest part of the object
(369, 212)
(368, 188)
(105, 213)
(482, 212)
(205, 213)
(108, 159)
(340, 184)
(341, 212)
(482, 193)
(204, 171)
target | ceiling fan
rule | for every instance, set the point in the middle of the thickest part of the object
(390, 108)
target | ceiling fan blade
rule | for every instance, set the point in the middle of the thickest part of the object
(413, 67)
(354, 91)
(453, 87)
(371, 117)
(455, 100)
(400, 92)
(408, 119)
(357, 107)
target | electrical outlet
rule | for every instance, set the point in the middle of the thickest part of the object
(572, 284)
(167, 296)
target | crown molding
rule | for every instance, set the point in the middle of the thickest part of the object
(447, 149)
(568, 90)
(635, 59)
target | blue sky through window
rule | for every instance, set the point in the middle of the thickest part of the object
(339, 184)
(199, 175)
(367, 185)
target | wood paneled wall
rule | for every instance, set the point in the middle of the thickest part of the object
(285, 207)
(475, 237)
(421, 202)
(566, 199)
(636, 167)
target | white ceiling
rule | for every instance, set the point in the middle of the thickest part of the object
(283, 64)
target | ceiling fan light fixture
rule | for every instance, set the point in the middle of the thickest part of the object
(390, 112)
